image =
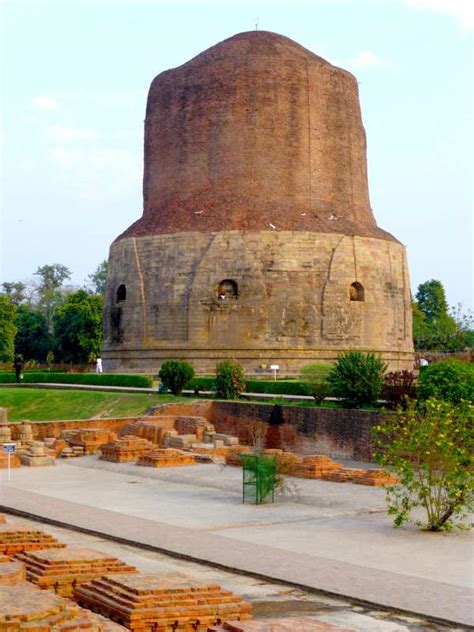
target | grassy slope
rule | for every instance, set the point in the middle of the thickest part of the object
(49, 404)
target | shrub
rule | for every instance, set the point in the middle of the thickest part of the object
(176, 374)
(430, 448)
(229, 382)
(315, 381)
(399, 387)
(449, 380)
(98, 379)
(357, 378)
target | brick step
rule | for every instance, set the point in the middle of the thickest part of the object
(125, 449)
(166, 457)
(168, 602)
(16, 538)
(62, 569)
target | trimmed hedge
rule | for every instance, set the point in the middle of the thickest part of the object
(98, 379)
(278, 387)
(203, 383)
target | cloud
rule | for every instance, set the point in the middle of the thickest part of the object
(60, 134)
(365, 60)
(44, 102)
(462, 10)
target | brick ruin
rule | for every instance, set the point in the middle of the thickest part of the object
(70, 589)
(173, 435)
(142, 601)
(16, 538)
(257, 239)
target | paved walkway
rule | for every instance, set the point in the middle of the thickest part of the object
(343, 546)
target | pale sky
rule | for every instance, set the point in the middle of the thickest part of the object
(75, 76)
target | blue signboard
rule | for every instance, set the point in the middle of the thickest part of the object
(9, 447)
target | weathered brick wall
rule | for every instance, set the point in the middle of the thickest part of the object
(335, 432)
(255, 123)
(54, 428)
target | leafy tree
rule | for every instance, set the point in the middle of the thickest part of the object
(421, 329)
(33, 340)
(176, 374)
(435, 326)
(430, 449)
(431, 299)
(16, 291)
(78, 327)
(52, 278)
(98, 279)
(449, 380)
(469, 338)
(357, 378)
(7, 329)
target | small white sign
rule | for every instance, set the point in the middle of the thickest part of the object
(9, 447)
(274, 367)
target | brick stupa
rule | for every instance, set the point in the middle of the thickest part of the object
(257, 239)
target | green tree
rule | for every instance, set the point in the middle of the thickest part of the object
(52, 278)
(98, 279)
(7, 329)
(435, 326)
(33, 340)
(431, 299)
(78, 327)
(16, 291)
(430, 448)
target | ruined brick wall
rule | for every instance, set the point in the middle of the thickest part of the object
(335, 432)
(339, 433)
(54, 428)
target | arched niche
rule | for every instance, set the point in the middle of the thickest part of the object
(121, 294)
(227, 289)
(356, 292)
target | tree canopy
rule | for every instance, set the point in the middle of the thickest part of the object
(435, 326)
(78, 327)
(98, 279)
(33, 340)
(50, 295)
(431, 299)
(7, 328)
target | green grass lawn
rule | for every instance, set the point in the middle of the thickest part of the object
(40, 404)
